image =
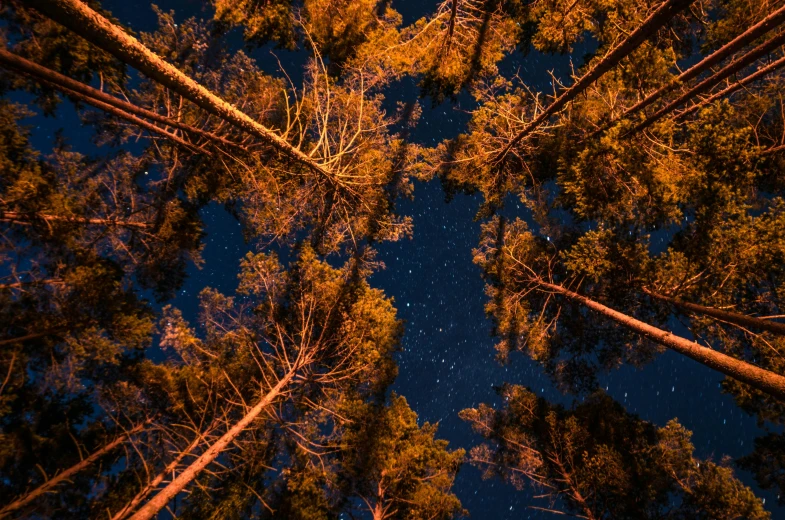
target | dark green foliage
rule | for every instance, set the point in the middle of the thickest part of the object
(43, 41)
(604, 462)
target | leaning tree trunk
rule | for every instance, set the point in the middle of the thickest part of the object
(28, 337)
(451, 27)
(652, 24)
(733, 67)
(177, 485)
(15, 217)
(65, 84)
(137, 121)
(761, 72)
(759, 29)
(155, 482)
(32, 283)
(50, 484)
(731, 317)
(763, 380)
(99, 31)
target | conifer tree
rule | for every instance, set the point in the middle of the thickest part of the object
(528, 278)
(312, 331)
(595, 461)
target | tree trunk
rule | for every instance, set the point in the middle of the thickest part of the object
(770, 22)
(47, 486)
(771, 67)
(19, 285)
(177, 485)
(451, 27)
(732, 317)
(141, 123)
(15, 217)
(153, 484)
(662, 15)
(96, 29)
(61, 82)
(763, 380)
(34, 335)
(733, 67)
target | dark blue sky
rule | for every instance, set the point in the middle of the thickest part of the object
(447, 362)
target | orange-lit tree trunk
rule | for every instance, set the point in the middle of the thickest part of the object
(761, 72)
(14, 217)
(177, 485)
(155, 482)
(141, 123)
(667, 10)
(731, 317)
(733, 67)
(50, 484)
(31, 283)
(28, 337)
(770, 22)
(763, 380)
(90, 25)
(451, 27)
(70, 86)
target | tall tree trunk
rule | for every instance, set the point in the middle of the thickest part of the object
(761, 72)
(61, 82)
(27, 337)
(733, 67)
(155, 482)
(763, 380)
(48, 486)
(759, 29)
(25, 219)
(732, 317)
(99, 31)
(31, 283)
(177, 485)
(662, 15)
(451, 27)
(141, 123)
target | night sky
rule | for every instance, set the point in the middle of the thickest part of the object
(447, 362)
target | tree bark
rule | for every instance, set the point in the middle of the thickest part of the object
(60, 82)
(19, 285)
(99, 31)
(177, 485)
(733, 67)
(761, 72)
(153, 484)
(667, 10)
(763, 380)
(453, 19)
(27, 337)
(65, 475)
(15, 217)
(732, 317)
(770, 22)
(141, 123)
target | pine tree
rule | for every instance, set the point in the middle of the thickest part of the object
(595, 460)
(312, 331)
(396, 468)
(527, 276)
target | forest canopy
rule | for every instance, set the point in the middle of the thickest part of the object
(631, 211)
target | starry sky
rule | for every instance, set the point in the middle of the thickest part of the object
(447, 361)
